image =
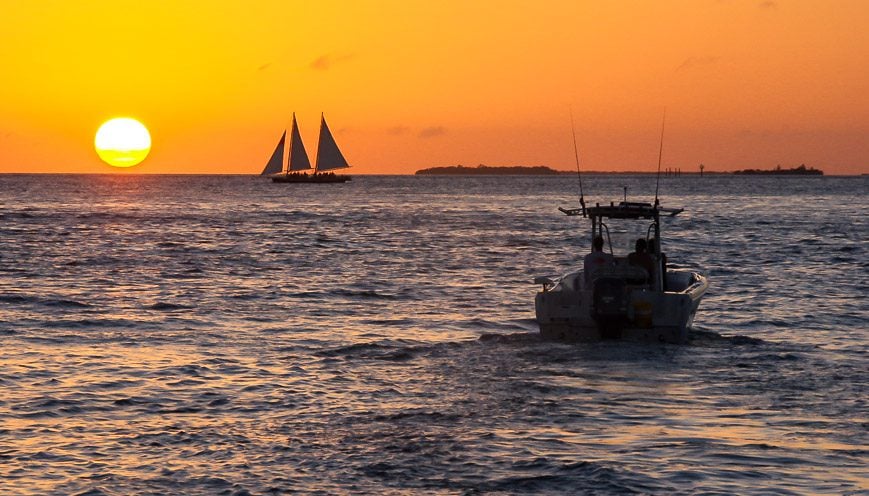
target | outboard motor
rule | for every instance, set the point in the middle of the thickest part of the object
(610, 306)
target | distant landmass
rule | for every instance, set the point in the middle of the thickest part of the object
(542, 170)
(485, 170)
(802, 170)
(526, 170)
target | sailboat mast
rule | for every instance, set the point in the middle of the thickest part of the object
(287, 148)
(319, 142)
(290, 145)
(294, 129)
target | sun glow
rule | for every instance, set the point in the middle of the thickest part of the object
(122, 142)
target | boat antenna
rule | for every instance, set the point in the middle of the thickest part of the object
(576, 155)
(660, 154)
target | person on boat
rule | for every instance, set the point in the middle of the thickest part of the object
(641, 258)
(596, 259)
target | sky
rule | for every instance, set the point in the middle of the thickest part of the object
(408, 84)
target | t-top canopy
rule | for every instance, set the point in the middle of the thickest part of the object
(624, 210)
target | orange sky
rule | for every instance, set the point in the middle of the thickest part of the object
(407, 84)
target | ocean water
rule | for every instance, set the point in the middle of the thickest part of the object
(225, 335)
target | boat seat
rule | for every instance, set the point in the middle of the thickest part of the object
(629, 273)
(573, 281)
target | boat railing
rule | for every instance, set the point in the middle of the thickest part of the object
(687, 282)
(609, 241)
(698, 286)
(548, 282)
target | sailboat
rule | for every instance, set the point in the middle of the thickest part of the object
(329, 158)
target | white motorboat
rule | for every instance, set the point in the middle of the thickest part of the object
(620, 299)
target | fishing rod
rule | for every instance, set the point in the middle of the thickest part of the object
(660, 154)
(576, 155)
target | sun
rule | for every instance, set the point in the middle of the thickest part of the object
(122, 142)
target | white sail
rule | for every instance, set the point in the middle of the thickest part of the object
(298, 156)
(329, 157)
(276, 163)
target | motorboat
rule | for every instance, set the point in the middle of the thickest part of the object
(621, 299)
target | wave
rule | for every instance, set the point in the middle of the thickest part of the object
(378, 351)
(423, 416)
(48, 302)
(17, 298)
(511, 338)
(116, 323)
(168, 307)
(553, 476)
(392, 350)
(65, 304)
(363, 293)
(399, 322)
(699, 337)
(486, 326)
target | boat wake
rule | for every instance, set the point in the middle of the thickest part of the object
(511, 338)
(710, 338)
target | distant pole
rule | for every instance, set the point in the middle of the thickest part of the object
(701, 169)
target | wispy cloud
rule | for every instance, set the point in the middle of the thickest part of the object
(768, 4)
(325, 62)
(431, 132)
(693, 62)
(398, 130)
(264, 66)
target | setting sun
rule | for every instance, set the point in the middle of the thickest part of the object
(122, 142)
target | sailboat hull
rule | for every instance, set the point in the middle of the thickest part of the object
(310, 178)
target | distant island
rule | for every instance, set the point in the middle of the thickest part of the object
(526, 170)
(542, 170)
(802, 170)
(485, 170)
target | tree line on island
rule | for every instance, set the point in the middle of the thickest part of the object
(542, 170)
(802, 170)
(485, 170)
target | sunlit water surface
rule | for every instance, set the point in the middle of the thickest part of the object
(226, 335)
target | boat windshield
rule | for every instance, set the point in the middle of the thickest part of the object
(624, 233)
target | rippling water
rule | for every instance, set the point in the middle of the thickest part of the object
(226, 335)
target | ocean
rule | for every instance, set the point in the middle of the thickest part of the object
(224, 335)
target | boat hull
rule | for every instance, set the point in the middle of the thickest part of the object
(568, 311)
(310, 178)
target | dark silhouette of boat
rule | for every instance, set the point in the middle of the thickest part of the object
(619, 299)
(329, 158)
